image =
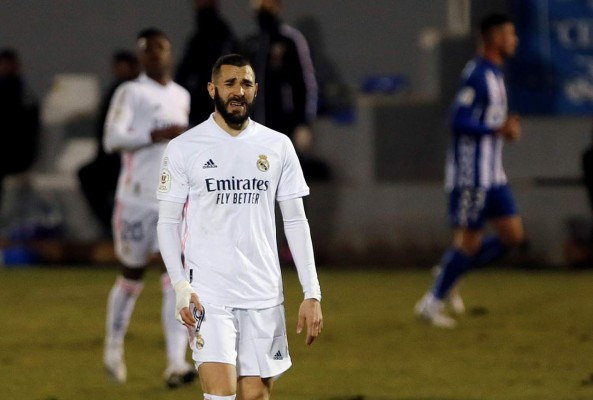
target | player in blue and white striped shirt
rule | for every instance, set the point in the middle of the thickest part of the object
(475, 178)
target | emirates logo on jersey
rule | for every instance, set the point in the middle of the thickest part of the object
(237, 190)
(262, 163)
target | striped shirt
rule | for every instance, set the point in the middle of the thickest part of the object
(474, 158)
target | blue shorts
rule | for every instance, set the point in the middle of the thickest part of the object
(472, 207)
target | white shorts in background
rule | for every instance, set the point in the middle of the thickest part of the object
(134, 232)
(253, 340)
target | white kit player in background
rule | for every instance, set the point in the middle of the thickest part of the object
(143, 116)
(218, 188)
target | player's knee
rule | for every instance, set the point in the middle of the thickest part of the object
(467, 242)
(255, 389)
(469, 247)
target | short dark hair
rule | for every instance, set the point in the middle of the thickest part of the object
(236, 60)
(147, 33)
(492, 21)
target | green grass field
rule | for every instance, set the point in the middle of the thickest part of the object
(527, 335)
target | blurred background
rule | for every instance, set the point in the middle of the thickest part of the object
(387, 71)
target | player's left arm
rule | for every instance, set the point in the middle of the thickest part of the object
(298, 235)
(303, 81)
(305, 91)
(470, 103)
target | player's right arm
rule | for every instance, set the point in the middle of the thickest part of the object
(172, 192)
(120, 132)
(168, 230)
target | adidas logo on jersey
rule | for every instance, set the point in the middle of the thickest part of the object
(210, 164)
(278, 356)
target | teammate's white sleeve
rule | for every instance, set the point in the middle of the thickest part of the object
(119, 132)
(169, 234)
(298, 235)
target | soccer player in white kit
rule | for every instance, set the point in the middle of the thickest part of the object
(143, 116)
(218, 188)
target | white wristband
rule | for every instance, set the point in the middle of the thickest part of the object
(183, 292)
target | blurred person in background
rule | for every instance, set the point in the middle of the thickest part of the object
(19, 115)
(143, 116)
(475, 179)
(212, 38)
(98, 178)
(287, 97)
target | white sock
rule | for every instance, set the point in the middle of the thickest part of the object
(120, 306)
(176, 337)
(213, 397)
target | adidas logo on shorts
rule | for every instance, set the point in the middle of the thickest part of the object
(278, 356)
(209, 164)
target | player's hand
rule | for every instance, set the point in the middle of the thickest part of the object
(184, 295)
(310, 315)
(511, 129)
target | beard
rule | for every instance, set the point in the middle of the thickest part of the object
(233, 118)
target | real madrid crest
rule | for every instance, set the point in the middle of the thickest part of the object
(262, 163)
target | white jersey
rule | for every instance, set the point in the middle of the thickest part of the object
(139, 107)
(229, 186)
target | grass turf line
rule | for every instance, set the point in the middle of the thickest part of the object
(527, 335)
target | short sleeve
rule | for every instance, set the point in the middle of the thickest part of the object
(173, 182)
(470, 103)
(292, 182)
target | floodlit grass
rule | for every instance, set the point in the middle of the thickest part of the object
(527, 335)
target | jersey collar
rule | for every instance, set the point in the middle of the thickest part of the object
(244, 132)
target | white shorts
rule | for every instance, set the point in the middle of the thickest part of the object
(254, 341)
(134, 233)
